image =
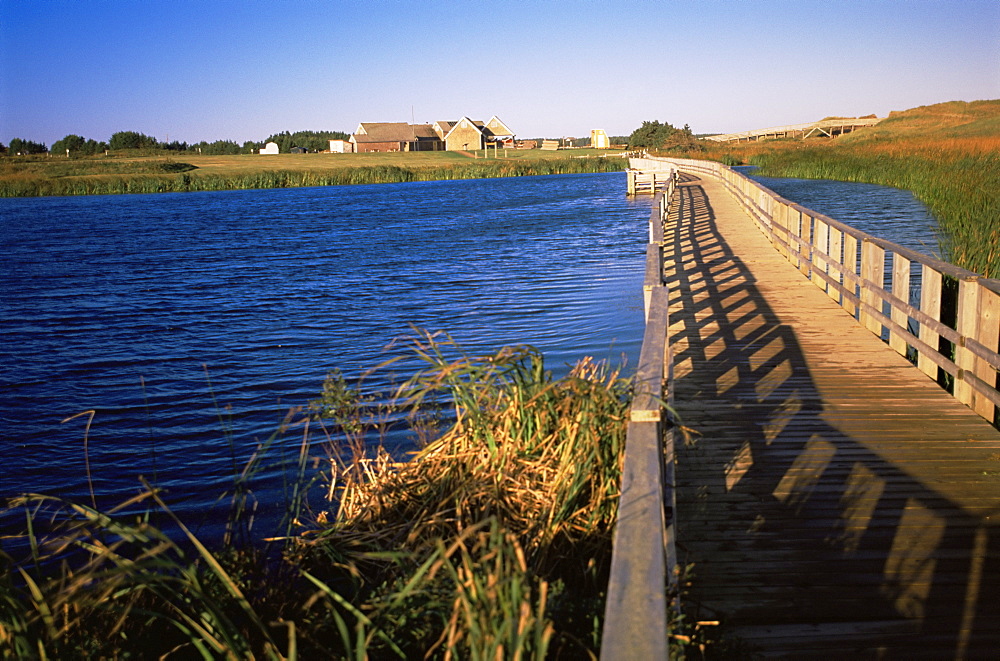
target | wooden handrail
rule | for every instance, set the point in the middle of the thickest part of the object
(644, 558)
(874, 280)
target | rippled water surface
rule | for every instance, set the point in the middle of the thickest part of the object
(251, 297)
(158, 312)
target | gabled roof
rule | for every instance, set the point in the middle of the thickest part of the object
(454, 125)
(424, 132)
(384, 132)
(497, 127)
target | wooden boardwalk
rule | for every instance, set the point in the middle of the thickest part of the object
(833, 502)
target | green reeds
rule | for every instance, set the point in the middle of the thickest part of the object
(492, 542)
(958, 180)
(17, 181)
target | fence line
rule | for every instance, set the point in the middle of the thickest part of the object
(643, 575)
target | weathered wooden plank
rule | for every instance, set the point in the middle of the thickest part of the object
(988, 335)
(930, 304)
(872, 271)
(820, 248)
(901, 291)
(966, 324)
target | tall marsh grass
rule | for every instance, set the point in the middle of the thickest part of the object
(32, 180)
(958, 179)
(492, 542)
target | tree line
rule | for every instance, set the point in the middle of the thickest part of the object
(651, 135)
(77, 145)
(664, 137)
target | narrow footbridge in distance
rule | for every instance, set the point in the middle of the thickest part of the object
(812, 467)
(828, 127)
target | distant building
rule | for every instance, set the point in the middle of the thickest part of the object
(463, 134)
(395, 136)
(341, 146)
(470, 134)
(298, 150)
(599, 139)
(270, 148)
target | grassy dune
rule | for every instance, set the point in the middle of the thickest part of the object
(947, 154)
(35, 176)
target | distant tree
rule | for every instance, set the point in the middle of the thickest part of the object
(650, 135)
(250, 147)
(174, 146)
(3, 148)
(311, 140)
(132, 140)
(95, 147)
(19, 146)
(72, 143)
(219, 147)
(665, 137)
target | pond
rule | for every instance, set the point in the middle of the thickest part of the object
(191, 323)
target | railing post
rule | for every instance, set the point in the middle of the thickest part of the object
(850, 272)
(966, 324)
(807, 240)
(836, 236)
(930, 304)
(872, 276)
(795, 235)
(821, 233)
(988, 335)
(901, 290)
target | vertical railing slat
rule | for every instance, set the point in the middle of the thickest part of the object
(966, 323)
(930, 304)
(901, 290)
(807, 241)
(836, 247)
(850, 267)
(987, 334)
(821, 234)
(873, 276)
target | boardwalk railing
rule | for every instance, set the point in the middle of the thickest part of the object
(644, 560)
(943, 318)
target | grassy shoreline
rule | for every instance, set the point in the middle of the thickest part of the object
(493, 542)
(20, 177)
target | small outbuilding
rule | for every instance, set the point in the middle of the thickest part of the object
(341, 147)
(299, 150)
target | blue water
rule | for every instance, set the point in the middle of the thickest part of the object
(148, 309)
(191, 323)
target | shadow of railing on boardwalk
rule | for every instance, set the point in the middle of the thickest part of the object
(834, 531)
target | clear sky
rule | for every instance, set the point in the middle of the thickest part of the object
(193, 70)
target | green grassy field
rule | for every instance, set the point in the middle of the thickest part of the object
(173, 172)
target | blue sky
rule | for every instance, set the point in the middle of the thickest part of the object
(218, 69)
